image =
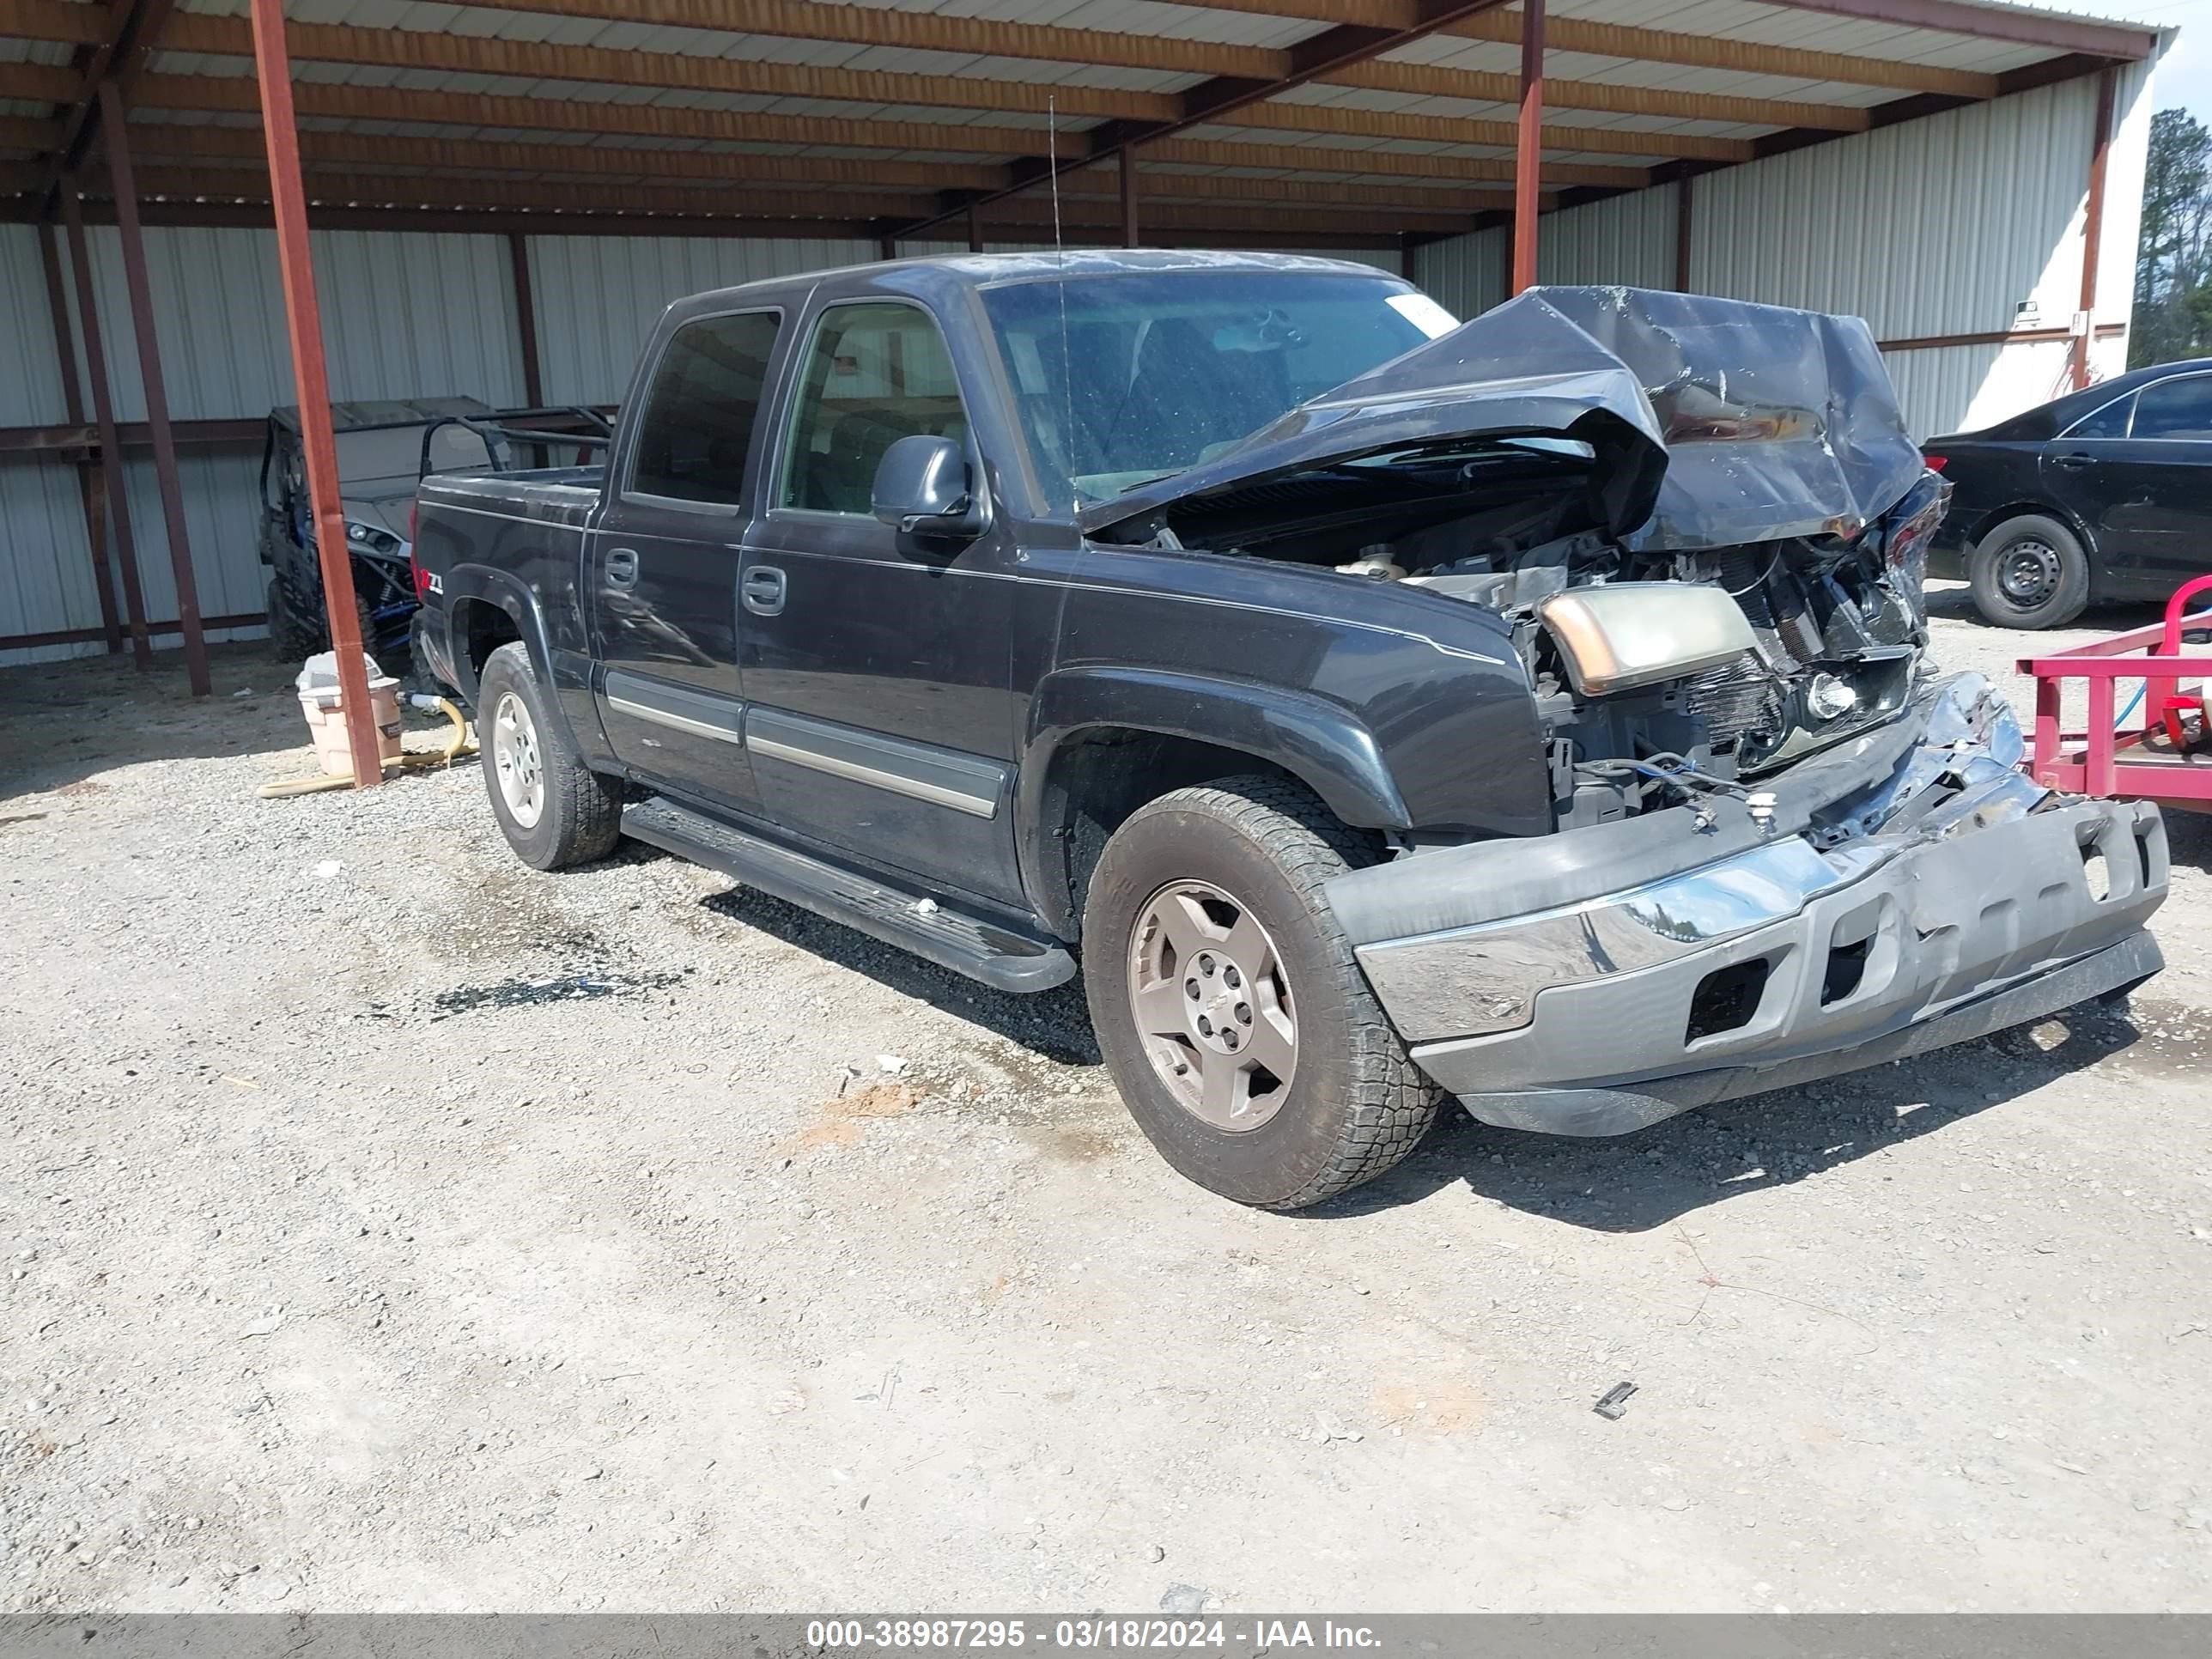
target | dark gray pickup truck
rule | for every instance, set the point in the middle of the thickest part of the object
(1533, 712)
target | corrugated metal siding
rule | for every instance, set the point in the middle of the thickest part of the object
(597, 297)
(1629, 240)
(1466, 274)
(30, 381)
(221, 490)
(46, 573)
(1939, 226)
(403, 315)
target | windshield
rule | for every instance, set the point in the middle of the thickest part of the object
(1145, 373)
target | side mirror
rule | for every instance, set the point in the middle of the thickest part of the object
(922, 489)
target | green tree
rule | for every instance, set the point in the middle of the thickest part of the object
(2173, 261)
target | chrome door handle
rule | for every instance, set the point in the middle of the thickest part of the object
(2075, 462)
(763, 590)
(622, 567)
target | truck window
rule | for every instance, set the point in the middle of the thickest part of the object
(700, 409)
(876, 373)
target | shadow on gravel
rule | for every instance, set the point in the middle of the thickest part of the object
(2189, 839)
(61, 722)
(1053, 1025)
(1954, 602)
(1636, 1182)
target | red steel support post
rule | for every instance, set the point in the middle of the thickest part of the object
(1528, 149)
(120, 173)
(96, 529)
(2092, 227)
(1128, 195)
(103, 415)
(294, 260)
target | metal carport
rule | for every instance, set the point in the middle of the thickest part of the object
(504, 192)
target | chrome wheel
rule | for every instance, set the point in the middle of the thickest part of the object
(515, 760)
(2028, 573)
(1214, 1007)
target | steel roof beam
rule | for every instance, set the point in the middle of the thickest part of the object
(2050, 30)
(879, 25)
(502, 221)
(127, 32)
(446, 191)
(525, 61)
(1227, 96)
(235, 95)
(328, 151)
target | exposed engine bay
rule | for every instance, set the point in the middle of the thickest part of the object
(1837, 624)
(1652, 442)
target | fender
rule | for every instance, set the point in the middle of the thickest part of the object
(566, 674)
(1322, 744)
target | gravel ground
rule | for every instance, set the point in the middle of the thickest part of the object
(388, 1226)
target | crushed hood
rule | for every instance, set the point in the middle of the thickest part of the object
(1711, 422)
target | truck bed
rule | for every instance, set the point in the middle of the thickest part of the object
(557, 495)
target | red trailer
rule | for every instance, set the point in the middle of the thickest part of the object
(2166, 757)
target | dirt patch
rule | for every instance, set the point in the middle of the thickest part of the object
(843, 1120)
(1440, 1408)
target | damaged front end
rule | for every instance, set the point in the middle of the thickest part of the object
(1578, 439)
(1782, 846)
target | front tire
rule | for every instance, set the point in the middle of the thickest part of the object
(554, 810)
(2030, 573)
(1229, 1006)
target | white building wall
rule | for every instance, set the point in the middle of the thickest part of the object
(45, 573)
(1939, 227)
(1629, 240)
(597, 297)
(1465, 275)
(30, 370)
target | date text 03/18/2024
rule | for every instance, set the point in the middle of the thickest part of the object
(1203, 1635)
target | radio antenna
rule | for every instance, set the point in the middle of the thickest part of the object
(1060, 263)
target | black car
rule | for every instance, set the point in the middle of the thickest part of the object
(2104, 494)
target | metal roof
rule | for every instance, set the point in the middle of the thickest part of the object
(604, 95)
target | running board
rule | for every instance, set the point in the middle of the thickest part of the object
(997, 956)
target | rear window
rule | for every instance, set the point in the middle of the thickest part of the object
(2181, 408)
(697, 422)
(2109, 422)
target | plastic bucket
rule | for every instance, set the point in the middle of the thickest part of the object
(325, 713)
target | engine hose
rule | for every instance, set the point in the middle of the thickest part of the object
(457, 747)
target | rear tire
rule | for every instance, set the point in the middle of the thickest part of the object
(554, 810)
(1208, 946)
(292, 638)
(2030, 573)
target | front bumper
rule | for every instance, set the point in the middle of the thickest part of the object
(1951, 899)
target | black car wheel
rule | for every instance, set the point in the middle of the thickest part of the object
(2030, 572)
(1230, 1008)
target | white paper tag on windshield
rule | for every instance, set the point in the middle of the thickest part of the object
(1424, 313)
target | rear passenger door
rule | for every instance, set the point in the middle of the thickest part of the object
(879, 715)
(662, 565)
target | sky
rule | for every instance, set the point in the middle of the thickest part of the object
(2185, 74)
